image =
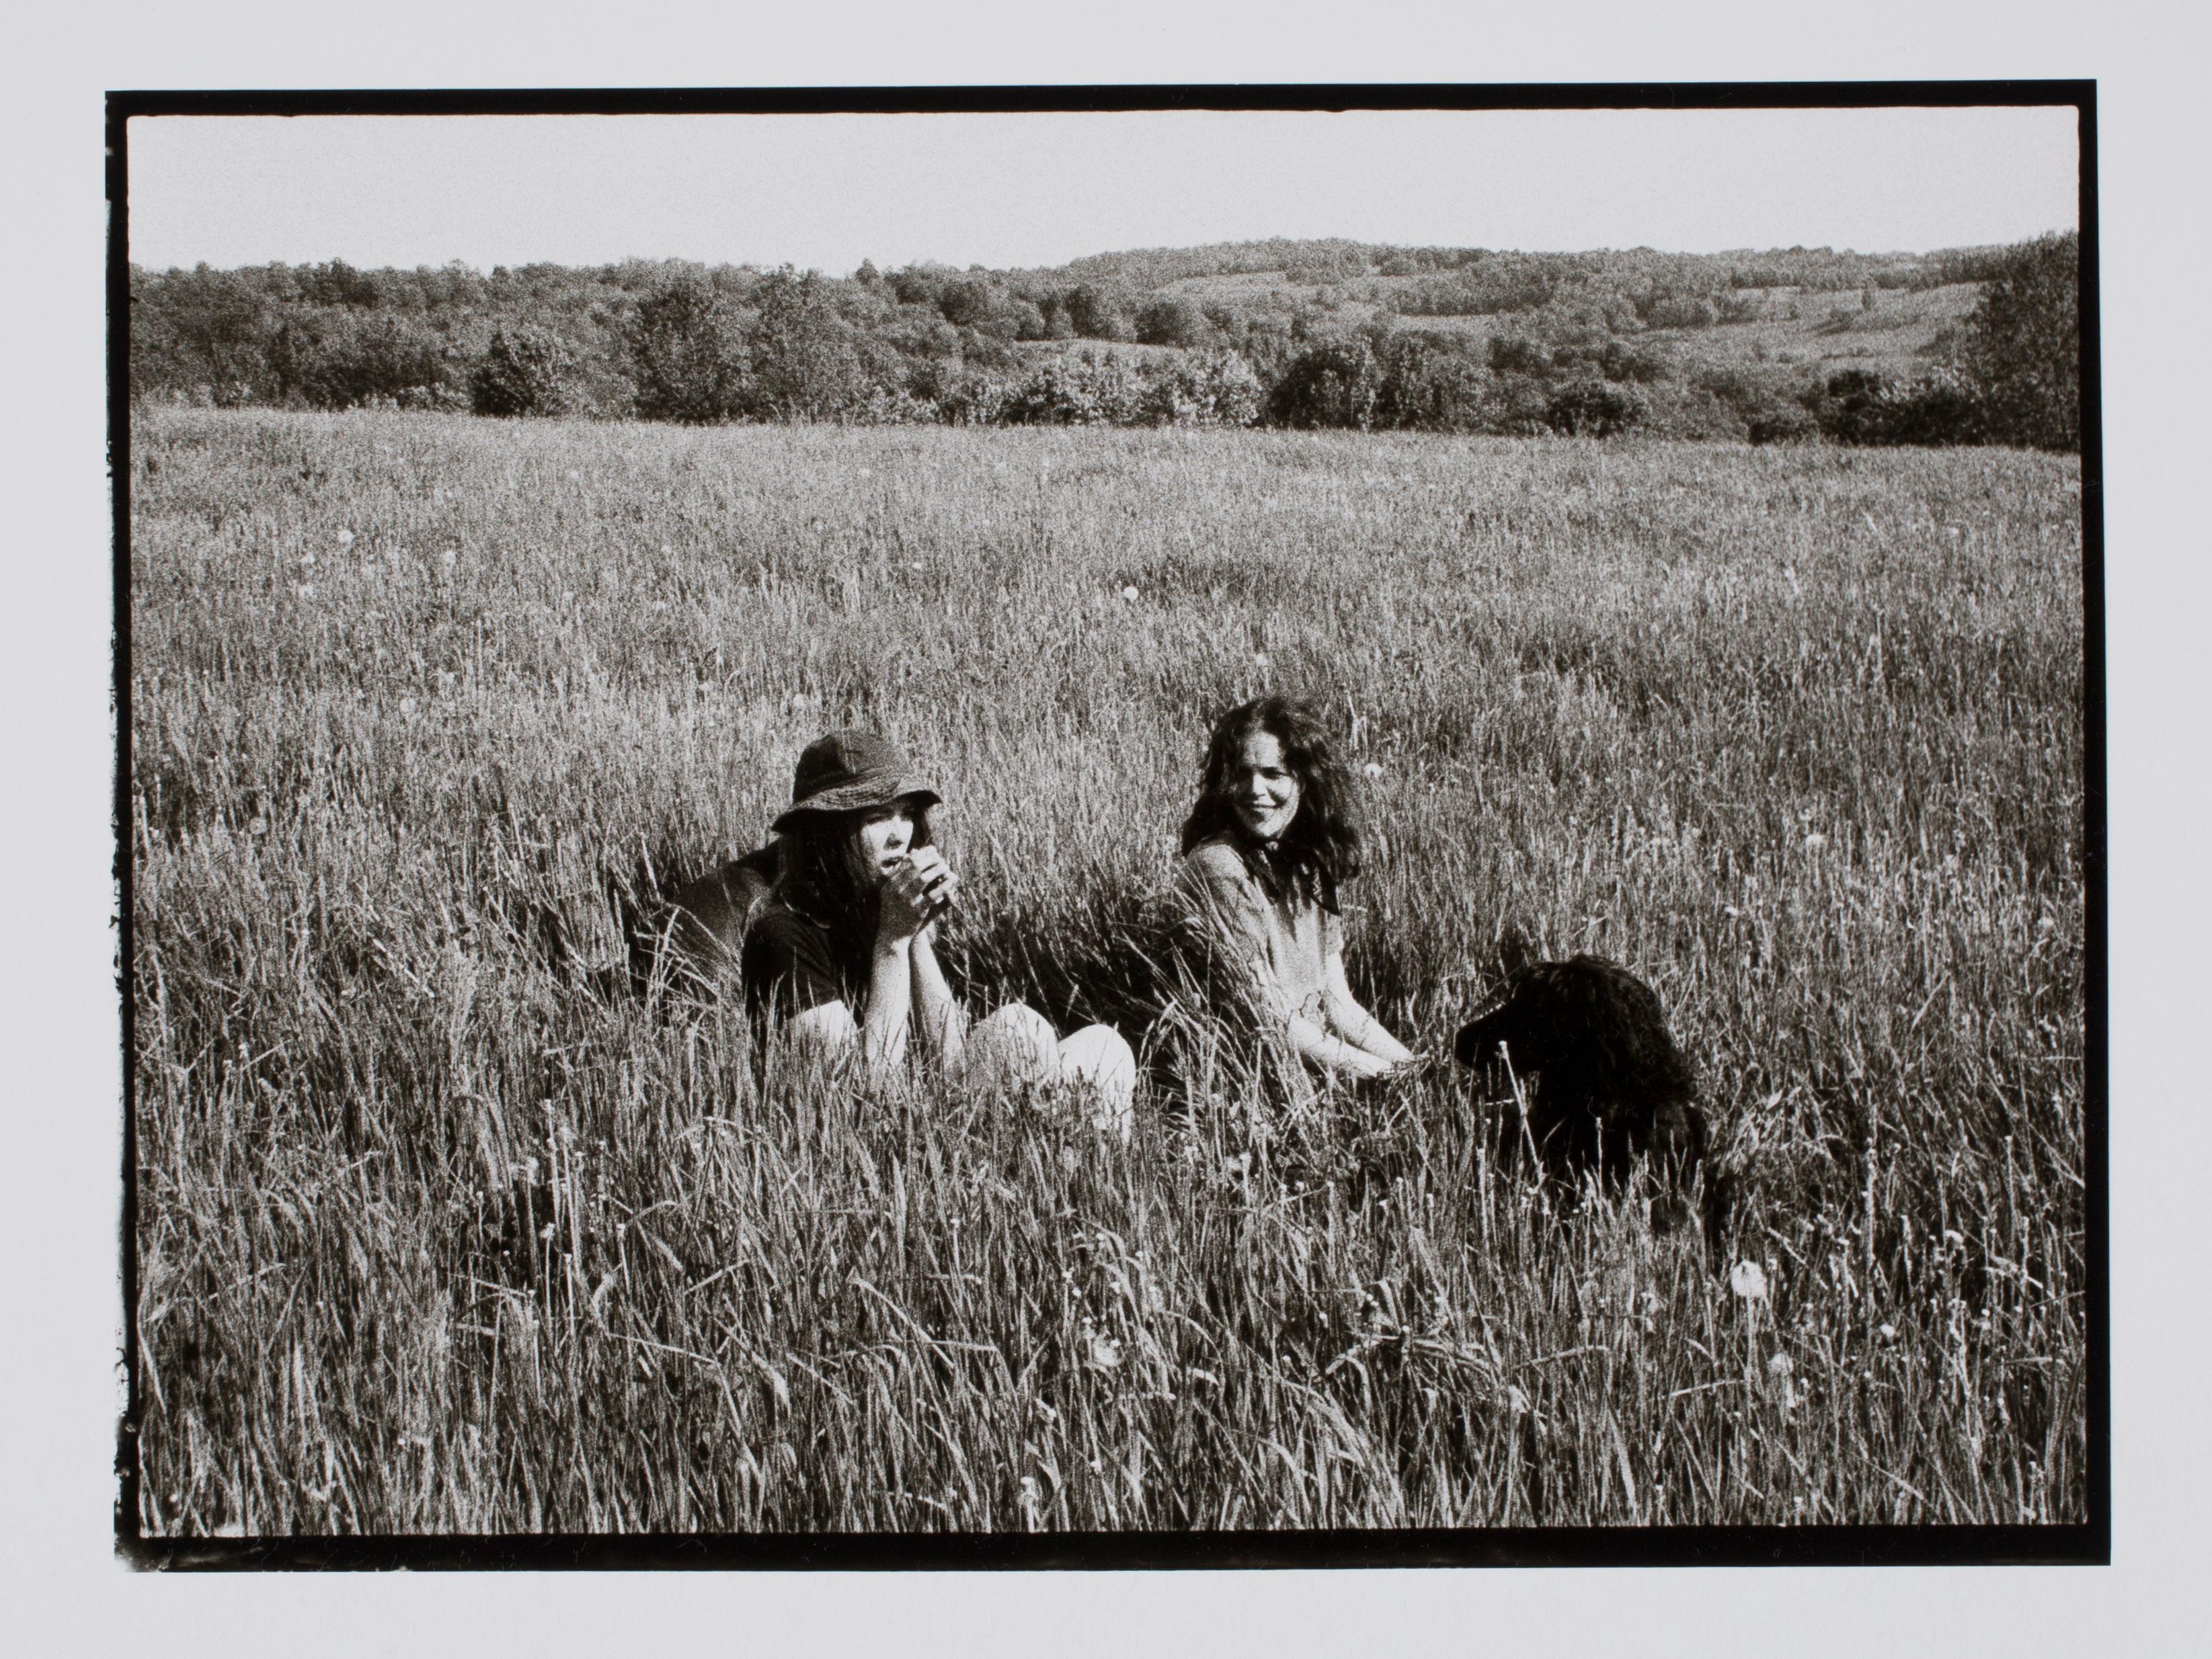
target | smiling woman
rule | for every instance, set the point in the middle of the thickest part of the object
(1272, 839)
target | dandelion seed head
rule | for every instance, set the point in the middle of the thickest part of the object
(1748, 1280)
(451, 557)
(1372, 769)
(1779, 1366)
(1888, 1332)
(1130, 593)
(345, 538)
(407, 705)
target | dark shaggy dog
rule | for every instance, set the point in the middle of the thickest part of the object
(709, 915)
(1609, 1086)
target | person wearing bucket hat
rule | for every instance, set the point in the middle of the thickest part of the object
(851, 772)
(841, 951)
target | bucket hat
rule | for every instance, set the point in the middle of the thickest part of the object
(850, 771)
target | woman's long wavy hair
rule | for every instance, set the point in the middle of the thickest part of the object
(1320, 851)
(817, 874)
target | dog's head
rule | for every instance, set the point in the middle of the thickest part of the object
(1495, 1020)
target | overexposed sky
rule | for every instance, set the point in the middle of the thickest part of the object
(1037, 188)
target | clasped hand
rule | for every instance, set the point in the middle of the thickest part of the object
(915, 894)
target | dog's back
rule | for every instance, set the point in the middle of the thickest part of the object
(708, 917)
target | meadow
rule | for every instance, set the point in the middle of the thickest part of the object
(442, 1226)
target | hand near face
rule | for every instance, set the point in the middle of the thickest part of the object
(915, 894)
(938, 884)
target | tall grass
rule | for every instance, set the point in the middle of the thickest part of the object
(441, 1227)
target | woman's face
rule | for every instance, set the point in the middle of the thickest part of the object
(881, 841)
(1263, 790)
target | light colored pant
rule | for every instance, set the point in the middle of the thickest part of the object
(1017, 1047)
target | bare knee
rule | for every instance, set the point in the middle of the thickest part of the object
(1097, 1061)
(1014, 1047)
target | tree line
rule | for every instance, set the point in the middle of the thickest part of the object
(1290, 334)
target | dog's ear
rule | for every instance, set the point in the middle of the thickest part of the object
(1513, 951)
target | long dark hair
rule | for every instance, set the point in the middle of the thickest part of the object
(814, 875)
(1320, 851)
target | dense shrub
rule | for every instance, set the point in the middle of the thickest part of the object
(1767, 405)
(1432, 388)
(1780, 421)
(1097, 314)
(1206, 388)
(1516, 353)
(687, 354)
(1083, 388)
(202, 334)
(1173, 322)
(1860, 406)
(525, 371)
(1499, 285)
(1338, 384)
(1593, 408)
(344, 359)
(1621, 361)
(804, 359)
(2023, 345)
(1688, 310)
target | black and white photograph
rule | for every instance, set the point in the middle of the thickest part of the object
(1117, 830)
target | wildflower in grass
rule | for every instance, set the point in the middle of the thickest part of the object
(1888, 1332)
(1372, 769)
(1748, 1280)
(407, 705)
(1779, 1366)
(345, 538)
(1130, 593)
(1259, 660)
(451, 557)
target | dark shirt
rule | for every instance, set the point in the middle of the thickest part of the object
(790, 964)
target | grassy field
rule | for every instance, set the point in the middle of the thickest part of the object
(440, 1229)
